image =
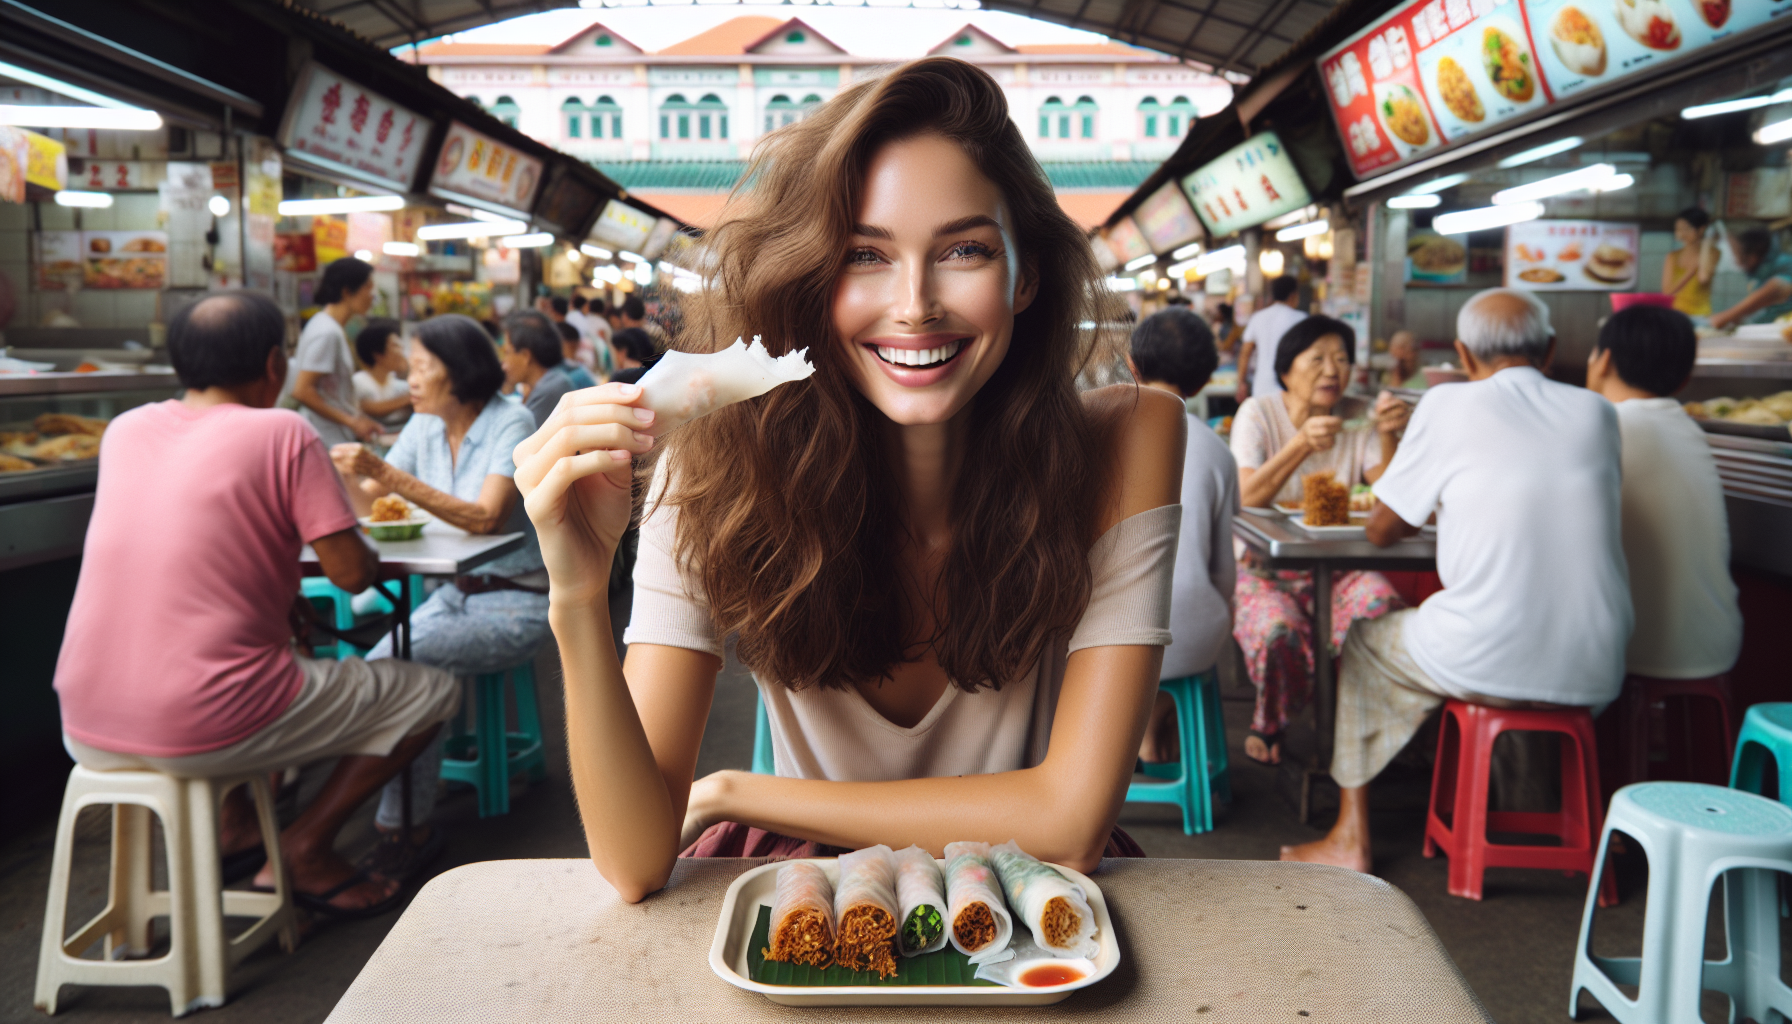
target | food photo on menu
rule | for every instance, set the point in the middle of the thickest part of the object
(1572, 255)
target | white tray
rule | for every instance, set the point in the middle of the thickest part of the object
(755, 888)
(1355, 531)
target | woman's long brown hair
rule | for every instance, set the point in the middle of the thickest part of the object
(789, 509)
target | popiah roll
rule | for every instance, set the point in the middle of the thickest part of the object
(802, 916)
(1053, 907)
(921, 898)
(981, 925)
(682, 386)
(867, 911)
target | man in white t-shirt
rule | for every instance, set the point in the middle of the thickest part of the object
(1262, 333)
(1676, 530)
(1523, 475)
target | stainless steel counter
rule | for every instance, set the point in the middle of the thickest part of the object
(12, 384)
(1757, 480)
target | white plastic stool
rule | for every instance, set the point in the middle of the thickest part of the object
(1693, 833)
(196, 968)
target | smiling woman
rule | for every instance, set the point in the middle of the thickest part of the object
(948, 571)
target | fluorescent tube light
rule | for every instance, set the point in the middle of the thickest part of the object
(470, 229)
(1179, 271)
(1424, 202)
(1463, 221)
(128, 119)
(1542, 152)
(594, 252)
(1560, 184)
(1192, 249)
(1733, 106)
(344, 204)
(1122, 284)
(1613, 183)
(530, 241)
(1231, 257)
(631, 257)
(401, 249)
(1142, 261)
(1437, 185)
(219, 206)
(1778, 131)
(1296, 232)
(86, 200)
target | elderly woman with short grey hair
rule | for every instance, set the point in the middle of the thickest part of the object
(1523, 474)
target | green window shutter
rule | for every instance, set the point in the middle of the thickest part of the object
(1088, 126)
(1151, 126)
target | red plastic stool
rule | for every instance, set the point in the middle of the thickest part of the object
(1625, 728)
(1465, 748)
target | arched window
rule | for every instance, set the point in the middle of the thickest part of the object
(1148, 113)
(964, 40)
(606, 113)
(795, 36)
(475, 101)
(810, 102)
(1085, 116)
(573, 110)
(779, 112)
(604, 40)
(1182, 115)
(675, 113)
(1049, 111)
(712, 116)
(506, 110)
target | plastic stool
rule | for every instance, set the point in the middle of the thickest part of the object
(1693, 833)
(319, 588)
(1766, 729)
(487, 757)
(196, 968)
(1201, 732)
(1628, 729)
(762, 737)
(1460, 784)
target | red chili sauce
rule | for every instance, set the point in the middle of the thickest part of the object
(1047, 975)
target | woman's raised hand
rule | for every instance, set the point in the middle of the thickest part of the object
(1320, 432)
(1391, 414)
(574, 474)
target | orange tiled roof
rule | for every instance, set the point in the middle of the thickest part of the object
(729, 38)
(1071, 49)
(483, 49)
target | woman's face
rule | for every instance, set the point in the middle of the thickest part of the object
(430, 383)
(1686, 234)
(393, 358)
(1317, 376)
(926, 300)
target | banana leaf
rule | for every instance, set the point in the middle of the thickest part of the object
(945, 967)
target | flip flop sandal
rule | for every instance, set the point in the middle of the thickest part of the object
(319, 903)
(390, 859)
(1270, 742)
(242, 864)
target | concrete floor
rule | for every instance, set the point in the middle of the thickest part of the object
(1515, 947)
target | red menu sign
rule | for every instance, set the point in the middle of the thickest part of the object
(334, 121)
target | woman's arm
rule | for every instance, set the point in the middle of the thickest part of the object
(370, 477)
(382, 406)
(1672, 277)
(1257, 487)
(304, 389)
(1391, 416)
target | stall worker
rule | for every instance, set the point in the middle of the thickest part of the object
(1675, 527)
(1523, 476)
(1262, 334)
(1278, 438)
(535, 360)
(951, 579)
(178, 656)
(1687, 272)
(381, 389)
(633, 351)
(323, 367)
(454, 460)
(1769, 273)
(1403, 348)
(1173, 351)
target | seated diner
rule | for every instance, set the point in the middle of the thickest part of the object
(535, 360)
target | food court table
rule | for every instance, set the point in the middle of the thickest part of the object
(1211, 941)
(1280, 543)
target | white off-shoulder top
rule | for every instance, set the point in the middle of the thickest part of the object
(825, 733)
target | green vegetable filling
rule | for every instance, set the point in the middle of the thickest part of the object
(923, 927)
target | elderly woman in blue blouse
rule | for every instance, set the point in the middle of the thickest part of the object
(453, 460)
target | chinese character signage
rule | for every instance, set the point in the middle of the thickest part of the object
(333, 121)
(473, 166)
(623, 227)
(1167, 219)
(1432, 72)
(1252, 182)
(1571, 256)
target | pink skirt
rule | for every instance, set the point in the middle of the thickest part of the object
(732, 839)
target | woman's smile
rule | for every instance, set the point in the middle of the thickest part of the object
(918, 360)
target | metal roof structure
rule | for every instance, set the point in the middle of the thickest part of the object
(1240, 36)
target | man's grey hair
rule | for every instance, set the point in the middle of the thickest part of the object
(1492, 325)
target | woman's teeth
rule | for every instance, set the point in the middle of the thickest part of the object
(919, 357)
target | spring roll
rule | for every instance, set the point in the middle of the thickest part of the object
(1053, 907)
(802, 916)
(865, 907)
(981, 925)
(683, 386)
(921, 897)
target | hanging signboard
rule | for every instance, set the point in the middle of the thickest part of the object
(332, 122)
(1126, 241)
(1250, 183)
(623, 226)
(1167, 219)
(1432, 72)
(1572, 256)
(478, 169)
(47, 162)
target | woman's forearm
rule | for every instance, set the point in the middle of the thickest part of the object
(1258, 488)
(380, 407)
(304, 391)
(468, 515)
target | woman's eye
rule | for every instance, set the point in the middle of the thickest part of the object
(862, 258)
(969, 251)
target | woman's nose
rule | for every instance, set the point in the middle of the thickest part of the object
(915, 303)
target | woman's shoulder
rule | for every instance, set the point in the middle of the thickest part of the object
(1143, 431)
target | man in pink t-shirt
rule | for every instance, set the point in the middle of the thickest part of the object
(178, 656)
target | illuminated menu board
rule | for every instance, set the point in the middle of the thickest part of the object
(1431, 72)
(1250, 183)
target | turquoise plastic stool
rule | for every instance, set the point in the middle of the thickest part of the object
(319, 588)
(1202, 732)
(487, 757)
(762, 738)
(1693, 834)
(1766, 729)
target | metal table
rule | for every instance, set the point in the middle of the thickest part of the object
(1200, 940)
(1280, 543)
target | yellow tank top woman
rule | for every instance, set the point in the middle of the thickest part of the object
(1687, 272)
